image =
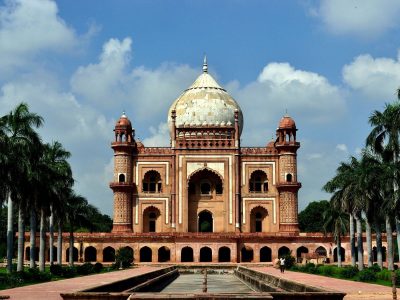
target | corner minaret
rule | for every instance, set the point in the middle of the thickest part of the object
(122, 185)
(288, 185)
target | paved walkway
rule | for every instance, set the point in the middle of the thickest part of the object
(51, 290)
(354, 290)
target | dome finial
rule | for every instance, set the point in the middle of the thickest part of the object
(123, 114)
(205, 66)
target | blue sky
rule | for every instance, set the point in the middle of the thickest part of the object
(80, 63)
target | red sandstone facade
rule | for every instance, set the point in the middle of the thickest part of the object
(205, 198)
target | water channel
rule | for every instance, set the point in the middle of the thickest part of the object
(216, 283)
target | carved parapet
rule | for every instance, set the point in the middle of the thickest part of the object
(258, 150)
(155, 150)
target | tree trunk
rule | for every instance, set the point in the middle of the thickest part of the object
(378, 244)
(32, 253)
(389, 237)
(398, 236)
(352, 241)
(21, 241)
(338, 252)
(51, 236)
(59, 243)
(369, 243)
(360, 244)
(42, 244)
(71, 248)
(10, 235)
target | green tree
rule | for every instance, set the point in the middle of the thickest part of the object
(311, 218)
(384, 140)
(18, 137)
(335, 222)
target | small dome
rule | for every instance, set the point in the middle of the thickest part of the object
(287, 123)
(123, 121)
(139, 144)
(205, 101)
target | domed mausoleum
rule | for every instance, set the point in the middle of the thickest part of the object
(206, 198)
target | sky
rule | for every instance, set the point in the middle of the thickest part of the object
(79, 64)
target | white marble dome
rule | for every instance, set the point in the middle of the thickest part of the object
(205, 102)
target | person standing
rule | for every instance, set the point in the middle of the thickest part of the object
(282, 264)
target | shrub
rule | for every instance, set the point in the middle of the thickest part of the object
(289, 260)
(123, 256)
(367, 275)
(44, 276)
(98, 267)
(69, 272)
(384, 274)
(85, 269)
(310, 268)
(12, 280)
(326, 270)
(31, 274)
(56, 270)
(348, 272)
(375, 268)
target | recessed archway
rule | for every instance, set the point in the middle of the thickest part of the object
(342, 254)
(301, 250)
(164, 254)
(205, 190)
(224, 254)
(205, 254)
(282, 251)
(74, 254)
(265, 254)
(247, 254)
(205, 220)
(108, 254)
(90, 254)
(145, 254)
(187, 254)
(151, 219)
(259, 219)
(321, 251)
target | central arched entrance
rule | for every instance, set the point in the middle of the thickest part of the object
(205, 193)
(205, 221)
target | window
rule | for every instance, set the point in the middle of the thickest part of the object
(205, 188)
(258, 222)
(152, 182)
(121, 178)
(258, 182)
(289, 177)
(152, 222)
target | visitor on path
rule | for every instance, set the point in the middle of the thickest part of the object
(282, 264)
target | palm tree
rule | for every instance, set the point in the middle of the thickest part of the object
(77, 212)
(335, 222)
(384, 140)
(18, 136)
(61, 177)
(349, 200)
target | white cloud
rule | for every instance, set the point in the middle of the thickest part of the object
(342, 147)
(29, 28)
(365, 18)
(310, 98)
(376, 78)
(82, 130)
(159, 136)
(111, 82)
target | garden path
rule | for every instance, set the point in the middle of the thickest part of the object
(353, 289)
(51, 290)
